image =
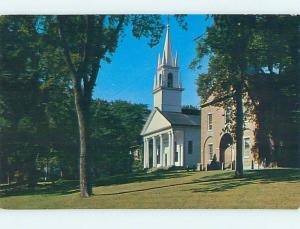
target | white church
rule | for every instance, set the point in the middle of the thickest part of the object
(171, 137)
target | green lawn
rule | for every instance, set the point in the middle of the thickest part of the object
(270, 188)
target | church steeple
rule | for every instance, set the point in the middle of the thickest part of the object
(167, 53)
(176, 64)
(167, 86)
(158, 61)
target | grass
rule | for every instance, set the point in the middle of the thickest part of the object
(270, 188)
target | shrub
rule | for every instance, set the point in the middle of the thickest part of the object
(214, 165)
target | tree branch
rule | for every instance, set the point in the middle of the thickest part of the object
(95, 66)
(65, 46)
(116, 32)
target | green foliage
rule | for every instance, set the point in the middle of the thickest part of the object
(116, 127)
(261, 53)
(86, 41)
(190, 109)
(38, 123)
(22, 132)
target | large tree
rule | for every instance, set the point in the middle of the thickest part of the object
(258, 57)
(35, 99)
(87, 41)
(47, 61)
(225, 43)
(273, 54)
(21, 125)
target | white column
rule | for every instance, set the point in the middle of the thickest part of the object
(183, 149)
(154, 152)
(161, 150)
(181, 154)
(146, 153)
(169, 153)
(171, 149)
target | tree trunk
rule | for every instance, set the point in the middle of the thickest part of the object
(82, 113)
(3, 163)
(239, 131)
(2, 173)
(1, 169)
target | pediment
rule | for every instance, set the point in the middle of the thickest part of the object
(155, 122)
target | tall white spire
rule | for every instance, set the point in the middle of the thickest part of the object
(155, 83)
(158, 61)
(167, 54)
(176, 60)
(167, 87)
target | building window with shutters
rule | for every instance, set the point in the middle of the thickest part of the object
(190, 147)
(209, 122)
(210, 151)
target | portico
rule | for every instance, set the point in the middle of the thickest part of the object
(162, 150)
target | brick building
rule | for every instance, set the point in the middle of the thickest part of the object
(217, 140)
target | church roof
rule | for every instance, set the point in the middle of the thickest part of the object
(159, 120)
(181, 119)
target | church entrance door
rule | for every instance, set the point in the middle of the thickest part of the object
(226, 150)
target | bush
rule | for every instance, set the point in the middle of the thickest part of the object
(214, 165)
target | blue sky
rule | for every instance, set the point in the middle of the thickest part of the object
(130, 74)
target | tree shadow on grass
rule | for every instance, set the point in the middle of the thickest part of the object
(166, 186)
(59, 187)
(219, 182)
(64, 187)
(140, 177)
(265, 176)
(224, 181)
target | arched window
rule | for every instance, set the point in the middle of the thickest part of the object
(170, 80)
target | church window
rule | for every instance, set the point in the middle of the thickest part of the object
(210, 151)
(247, 147)
(210, 117)
(170, 80)
(190, 147)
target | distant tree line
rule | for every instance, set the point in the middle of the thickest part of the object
(40, 142)
(254, 60)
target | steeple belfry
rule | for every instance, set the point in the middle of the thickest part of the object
(167, 86)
